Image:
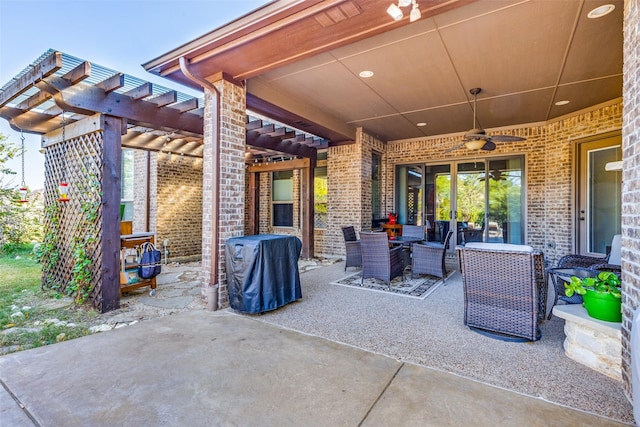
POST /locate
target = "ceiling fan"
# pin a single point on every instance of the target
(477, 138)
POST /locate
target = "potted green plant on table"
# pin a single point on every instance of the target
(601, 295)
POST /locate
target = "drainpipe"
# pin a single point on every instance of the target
(212, 289)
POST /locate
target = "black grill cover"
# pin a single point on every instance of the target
(262, 272)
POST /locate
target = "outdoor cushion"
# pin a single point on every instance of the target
(500, 246)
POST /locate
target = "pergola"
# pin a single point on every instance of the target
(86, 114)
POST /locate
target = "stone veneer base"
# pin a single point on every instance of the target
(592, 342)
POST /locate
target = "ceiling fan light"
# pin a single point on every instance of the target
(404, 3)
(395, 12)
(475, 144)
(415, 13)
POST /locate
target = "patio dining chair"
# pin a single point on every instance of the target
(413, 231)
(352, 246)
(378, 260)
(429, 258)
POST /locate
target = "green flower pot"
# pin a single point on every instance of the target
(603, 306)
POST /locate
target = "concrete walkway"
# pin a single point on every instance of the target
(199, 368)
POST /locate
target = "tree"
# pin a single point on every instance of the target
(19, 222)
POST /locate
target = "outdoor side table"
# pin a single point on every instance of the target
(559, 276)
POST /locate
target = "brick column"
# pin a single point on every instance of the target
(231, 177)
(630, 178)
(349, 180)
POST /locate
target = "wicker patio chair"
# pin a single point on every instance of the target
(413, 231)
(585, 261)
(378, 261)
(352, 245)
(428, 258)
(611, 262)
(504, 290)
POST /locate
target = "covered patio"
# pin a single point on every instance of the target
(403, 93)
(369, 135)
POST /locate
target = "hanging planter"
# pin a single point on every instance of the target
(63, 192)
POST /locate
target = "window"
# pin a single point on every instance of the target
(320, 197)
(282, 199)
(126, 186)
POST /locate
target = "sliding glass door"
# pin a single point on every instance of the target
(482, 201)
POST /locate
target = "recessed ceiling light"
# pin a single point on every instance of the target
(600, 11)
(366, 74)
(565, 102)
(421, 124)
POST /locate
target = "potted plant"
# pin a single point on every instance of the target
(601, 295)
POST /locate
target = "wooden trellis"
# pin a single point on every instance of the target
(78, 162)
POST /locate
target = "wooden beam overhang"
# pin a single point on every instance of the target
(276, 144)
(85, 99)
(42, 98)
(248, 49)
(285, 165)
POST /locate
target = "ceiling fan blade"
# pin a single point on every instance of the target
(455, 147)
(506, 138)
(489, 145)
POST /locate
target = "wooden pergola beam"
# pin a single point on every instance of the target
(285, 165)
(142, 91)
(165, 99)
(79, 73)
(86, 99)
(44, 68)
(276, 144)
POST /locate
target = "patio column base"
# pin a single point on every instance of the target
(591, 342)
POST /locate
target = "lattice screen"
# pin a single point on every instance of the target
(411, 206)
(77, 161)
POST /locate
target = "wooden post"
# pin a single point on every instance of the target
(308, 175)
(254, 203)
(111, 164)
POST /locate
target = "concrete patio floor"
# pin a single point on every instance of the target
(204, 368)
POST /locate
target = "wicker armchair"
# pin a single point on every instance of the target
(428, 258)
(413, 231)
(584, 261)
(611, 262)
(504, 290)
(352, 245)
(378, 261)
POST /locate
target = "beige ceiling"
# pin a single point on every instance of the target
(525, 55)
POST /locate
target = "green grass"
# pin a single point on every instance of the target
(20, 291)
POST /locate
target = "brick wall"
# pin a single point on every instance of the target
(631, 179)
(349, 183)
(549, 169)
(145, 191)
(179, 206)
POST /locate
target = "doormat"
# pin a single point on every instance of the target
(419, 287)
